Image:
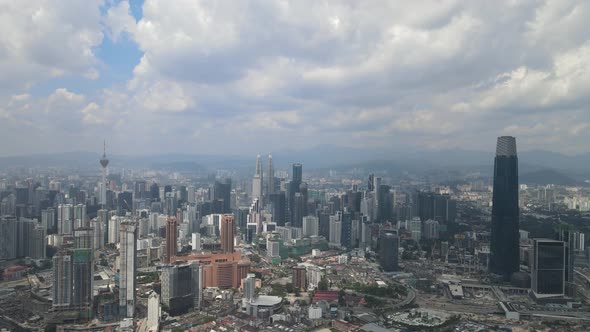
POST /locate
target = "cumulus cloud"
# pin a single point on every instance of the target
(301, 73)
(44, 39)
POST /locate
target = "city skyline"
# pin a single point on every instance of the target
(272, 77)
(294, 165)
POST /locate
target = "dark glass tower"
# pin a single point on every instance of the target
(504, 258)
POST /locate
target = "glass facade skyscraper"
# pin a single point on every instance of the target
(504, 259)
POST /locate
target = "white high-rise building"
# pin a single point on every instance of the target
(197, 275)
(196, 241)
(335, 231)
(272, 247)
(311, 226)
(114, 229)
(314, 312)
(314, 275)
(65, 219)
(154, 312)
(128, 257)
(249, 287)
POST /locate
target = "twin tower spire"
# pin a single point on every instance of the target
(263, 185)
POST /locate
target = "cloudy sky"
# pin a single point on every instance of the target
(251, 76)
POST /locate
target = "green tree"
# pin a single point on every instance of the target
(323, 284)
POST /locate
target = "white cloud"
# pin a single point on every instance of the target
(43, 39)
(299, 73)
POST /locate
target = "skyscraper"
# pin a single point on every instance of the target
(311, 226)
(504, 255)
(249, 284)
(83, 271)
(270, 177)
(171, 239)
(62, 279)
(178, 288)
(388, 251)
(65, 219)
(128, 257)
(257, 180)
(227, 234)
(548, 272)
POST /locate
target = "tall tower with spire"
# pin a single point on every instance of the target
(504, 252)
(270, 177)
(104, 162)
(257, 180)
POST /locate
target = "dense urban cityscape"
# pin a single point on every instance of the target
(285, 249)
(294, 165)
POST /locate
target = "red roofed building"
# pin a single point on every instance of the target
(328, 296)
(14, 272)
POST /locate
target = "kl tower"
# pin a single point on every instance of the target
(104, 162)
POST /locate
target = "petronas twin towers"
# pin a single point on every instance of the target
(263, 186)
(504, 259)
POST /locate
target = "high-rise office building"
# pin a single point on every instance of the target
(8, 238)
(548, 268)
(127, 270)
(346, 230)
(270, 177)
(38, 245)
(566, 234)
(335, 231)
(311, 226)
(62, 279)
(124, 203)
(278, 207)
(83, 272)
(257, 185)
(197, 284)
(298, 211)
(227, 233)
(297, 173)
(102, 217)
(504, 250)
(293, 187)
(221, 199)
(180, 285)
(249, 284)
(388, 251)
(171, 240)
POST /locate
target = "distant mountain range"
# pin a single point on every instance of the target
(548, 176)
(534, 166)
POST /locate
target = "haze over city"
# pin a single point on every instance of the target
(295, 166)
